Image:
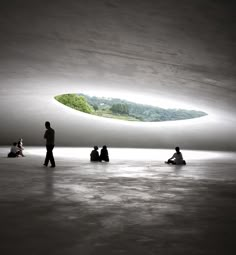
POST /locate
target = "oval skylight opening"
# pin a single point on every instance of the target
(116, 108)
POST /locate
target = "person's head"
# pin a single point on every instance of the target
(47, 124)
(104, 147)
(177, 149)
(95, 148)
(21, 140)
(14, 144)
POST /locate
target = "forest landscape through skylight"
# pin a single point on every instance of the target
(125, 110)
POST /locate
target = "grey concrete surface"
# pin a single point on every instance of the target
(130, 206)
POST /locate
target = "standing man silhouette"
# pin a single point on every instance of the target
(50, 137)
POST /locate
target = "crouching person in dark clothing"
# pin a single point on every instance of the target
(94, 155)
(104, 154)
(14, 152)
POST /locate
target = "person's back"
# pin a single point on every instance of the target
(104, 154)
(94, 155)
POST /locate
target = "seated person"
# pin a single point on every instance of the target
(177, 158)
(104, 154)
(14, 152)
(20, 147)
(94, 155)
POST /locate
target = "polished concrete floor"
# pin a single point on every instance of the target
(135, 204)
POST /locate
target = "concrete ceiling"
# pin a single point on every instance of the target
(181, 52)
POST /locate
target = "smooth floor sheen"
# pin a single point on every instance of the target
(135, 204)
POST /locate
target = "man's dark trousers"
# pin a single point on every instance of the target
(49, 155)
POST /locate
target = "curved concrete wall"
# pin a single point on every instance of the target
(163, 51)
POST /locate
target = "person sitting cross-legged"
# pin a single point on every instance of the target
(177, 158)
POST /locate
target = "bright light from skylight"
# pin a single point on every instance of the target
(167, 103)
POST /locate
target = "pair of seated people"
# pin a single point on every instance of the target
(94, 155)
(16, 149)
(177, 158)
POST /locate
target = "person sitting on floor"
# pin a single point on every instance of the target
(20, 147)
(104, 154)
(177, 158)
(14, 152)
(94, 155)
